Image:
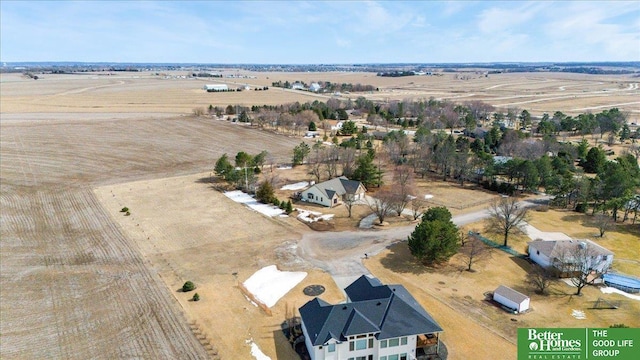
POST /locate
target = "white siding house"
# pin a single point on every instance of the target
(333, 192)
(382, 322)
(558, 253)
(511, 299)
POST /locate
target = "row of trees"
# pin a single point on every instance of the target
(243, 173)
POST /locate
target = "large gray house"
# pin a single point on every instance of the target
(333, 192)
(381, 322)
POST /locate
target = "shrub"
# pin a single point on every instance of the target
(196, 297)
(124, 209)
(188, 286)
(581, 207)
(127, 213)
(619, 326)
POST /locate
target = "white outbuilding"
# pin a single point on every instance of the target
(215, 87)
(511, 299)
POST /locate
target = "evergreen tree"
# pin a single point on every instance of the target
(595, 160)
(435, 239)
(367, 172)
(223, 167)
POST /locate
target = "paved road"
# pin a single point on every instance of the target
(341, 253)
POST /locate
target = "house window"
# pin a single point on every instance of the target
(403, 340)
(403, 356)
(370, 343)
(361, 344)
(331, 347)
(392, 357)
(335, 201)
(394, 342)
(310, 196)
(321, 199)
(383, 344)
(538, 252)
(383, 358)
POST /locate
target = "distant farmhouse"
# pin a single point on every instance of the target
(216, 87)
(334, 192)
(561, 255)
(315, 87)
(382, 322)
(297, 86)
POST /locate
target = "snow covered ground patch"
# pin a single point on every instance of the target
(313, 216)
(296, 186)
(609, 290)
(270, 284)
(256, 352)
(243, 198)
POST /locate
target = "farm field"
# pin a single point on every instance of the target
(146, 92)
(71, 279)
(83, 281)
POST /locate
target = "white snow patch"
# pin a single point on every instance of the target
(609, 290)
(284, 167)
(256, 352)
(243, 198)
(296, 186)
(270, 284)
(313, 216)
(578, 314)
(428, 196)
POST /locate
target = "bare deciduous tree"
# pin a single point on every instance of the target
(347, 161)
(349, 201)
(382, 204)
(603, 222)
(315, 161)
(404, 186)
(417, 205)
(582, 262)
(473, 250)
(505, 216)
(540, 279)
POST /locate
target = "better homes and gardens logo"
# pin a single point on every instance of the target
(572, 343)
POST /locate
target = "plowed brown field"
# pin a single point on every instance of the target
(72, 284)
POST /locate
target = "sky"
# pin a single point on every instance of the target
(315, 32)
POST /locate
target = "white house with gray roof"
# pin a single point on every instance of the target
(333, 192)
(559, 253)
(381, 322)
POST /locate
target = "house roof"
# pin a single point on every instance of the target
(340, 185)
(510, 294)
(556, 248)
(388, 311)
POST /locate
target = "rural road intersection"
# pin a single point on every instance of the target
(341, 253)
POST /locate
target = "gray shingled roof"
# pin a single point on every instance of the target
(340, 185)
(510, 294)
(556, 248)
(389, 311)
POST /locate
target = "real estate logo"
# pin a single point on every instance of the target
(553, 342)
(571, 343)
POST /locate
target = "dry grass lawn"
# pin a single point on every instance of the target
(189, 231)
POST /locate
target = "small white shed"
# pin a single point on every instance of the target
(511, 299)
